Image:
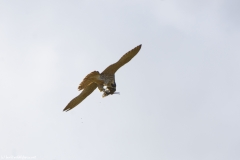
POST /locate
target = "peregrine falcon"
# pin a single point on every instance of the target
(104, 81)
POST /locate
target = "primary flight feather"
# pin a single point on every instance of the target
(96, 80)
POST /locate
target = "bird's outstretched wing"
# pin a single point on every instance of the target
(75, 101)
(110, 70)
(122, 61)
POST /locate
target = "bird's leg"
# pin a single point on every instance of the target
(109, 90)
(104, 89)
(105, 93)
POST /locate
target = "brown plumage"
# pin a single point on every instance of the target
(90, 78)
(106, 78)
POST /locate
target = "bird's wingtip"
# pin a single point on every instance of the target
(66, 109)
(139, 46)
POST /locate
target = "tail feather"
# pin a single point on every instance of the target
(90, 78)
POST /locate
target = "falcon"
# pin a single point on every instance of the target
(104, 81)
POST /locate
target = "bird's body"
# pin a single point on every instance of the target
(104, 81)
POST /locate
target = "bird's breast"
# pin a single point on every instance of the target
(107, 78)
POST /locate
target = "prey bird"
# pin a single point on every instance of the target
(104, 81)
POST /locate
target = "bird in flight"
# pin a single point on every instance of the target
(104, 81)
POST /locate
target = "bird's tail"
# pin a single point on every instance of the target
(90, 78)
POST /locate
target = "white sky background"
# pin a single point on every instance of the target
(179, 96)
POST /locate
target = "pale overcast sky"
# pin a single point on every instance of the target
(179, 96)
